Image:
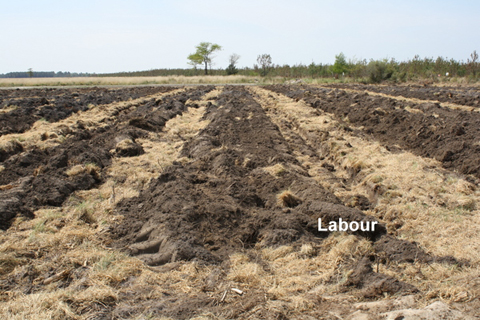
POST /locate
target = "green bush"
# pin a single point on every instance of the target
(399, 76)
(231, 69)
(378, 71)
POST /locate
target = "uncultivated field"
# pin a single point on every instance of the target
(202, 202)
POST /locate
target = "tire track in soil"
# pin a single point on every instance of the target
(449, 136)
(226, 200)
(46, 177)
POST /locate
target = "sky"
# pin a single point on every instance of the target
(104, 36)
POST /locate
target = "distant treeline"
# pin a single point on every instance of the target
(372, 71)
(44, 74)
(162, 72)
(378, 70)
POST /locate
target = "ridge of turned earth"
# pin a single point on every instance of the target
(37, 177)
(426, 129)
(224, 201)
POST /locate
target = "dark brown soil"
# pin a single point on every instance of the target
(223, 202)
(53, 105)
(373, 284)
(463, 96)
(450, 136)
(36, 177)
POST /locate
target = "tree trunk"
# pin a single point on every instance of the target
(206, 70)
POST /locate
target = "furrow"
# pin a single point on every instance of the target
(46, 177)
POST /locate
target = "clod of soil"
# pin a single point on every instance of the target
(374, 284)
(128, 148)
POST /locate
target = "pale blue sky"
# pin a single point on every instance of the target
(109, 36)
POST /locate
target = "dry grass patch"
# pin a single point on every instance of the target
(129, 175)
(160, 80)
(244, 272)
(8, 109)
(299, 277)
(14, 145)
(276, 170)
(412, 110)
(212, 95)
(287, 199)
(295, 277)
(89, 168)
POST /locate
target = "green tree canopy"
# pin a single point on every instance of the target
(340, 66)
(203, 55)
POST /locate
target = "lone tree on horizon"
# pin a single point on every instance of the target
(340, 66)
(232, 69)
(265, 62)
(203, 55)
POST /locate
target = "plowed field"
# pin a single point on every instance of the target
(213, 202)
